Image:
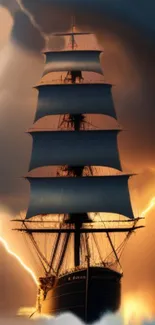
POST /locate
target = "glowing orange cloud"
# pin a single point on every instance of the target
(5, 244)
(135, 310)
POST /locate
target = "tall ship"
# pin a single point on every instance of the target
(80, 215)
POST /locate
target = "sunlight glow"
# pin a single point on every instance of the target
(135, 309)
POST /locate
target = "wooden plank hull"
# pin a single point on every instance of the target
(70, 294)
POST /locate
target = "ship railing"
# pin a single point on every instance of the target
(83, 267)
(60, 81)
(77, 268)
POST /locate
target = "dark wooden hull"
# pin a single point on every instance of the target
(70, 294)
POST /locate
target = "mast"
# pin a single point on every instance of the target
(72, 36)
(76, 121)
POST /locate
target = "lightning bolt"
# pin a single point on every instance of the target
(9, 251)
(150, 206)
(33, 21)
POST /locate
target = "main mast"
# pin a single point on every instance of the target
(75, 122)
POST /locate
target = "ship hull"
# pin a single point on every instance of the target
(87, 293)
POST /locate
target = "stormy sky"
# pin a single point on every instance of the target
(126, 31)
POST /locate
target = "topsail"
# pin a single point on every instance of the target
(73, 61)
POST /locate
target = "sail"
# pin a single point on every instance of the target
(84, 148)
(75, 99)
(79, 194)
(72, 61)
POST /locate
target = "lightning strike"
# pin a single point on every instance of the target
(6, 246)
(150, 206)
(33, 21)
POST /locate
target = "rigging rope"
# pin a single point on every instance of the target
(39, 254)
(96, 243)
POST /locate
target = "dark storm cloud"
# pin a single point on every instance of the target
(29, 35)
(19, 73)
(11, 5)
(25, 34)
(50, 18)
(130, 66)
(137, 14)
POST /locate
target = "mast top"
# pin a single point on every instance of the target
(73, 42)
(72, 34)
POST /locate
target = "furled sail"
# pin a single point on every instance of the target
(80, 194)
(72, 61)
(75, 99)
(84, 148)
